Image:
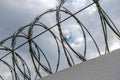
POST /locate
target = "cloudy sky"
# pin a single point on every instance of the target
(17, 13)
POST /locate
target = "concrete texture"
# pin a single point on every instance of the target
(106, 67)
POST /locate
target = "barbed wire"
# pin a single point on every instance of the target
(46, 29)
(19, 65)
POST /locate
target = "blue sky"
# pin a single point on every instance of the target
(17, 13)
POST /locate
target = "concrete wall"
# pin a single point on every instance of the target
(106, 67)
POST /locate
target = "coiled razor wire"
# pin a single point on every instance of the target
(19, 68)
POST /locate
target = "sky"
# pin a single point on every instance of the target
(17, 13)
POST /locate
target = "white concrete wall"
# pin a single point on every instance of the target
(106, 67)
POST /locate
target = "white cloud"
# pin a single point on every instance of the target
(92, 9)
(4, 71)
(78, 42)
(49, 3)
(6, 75)
(77, 4)
(115, 45)
(74, 33)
